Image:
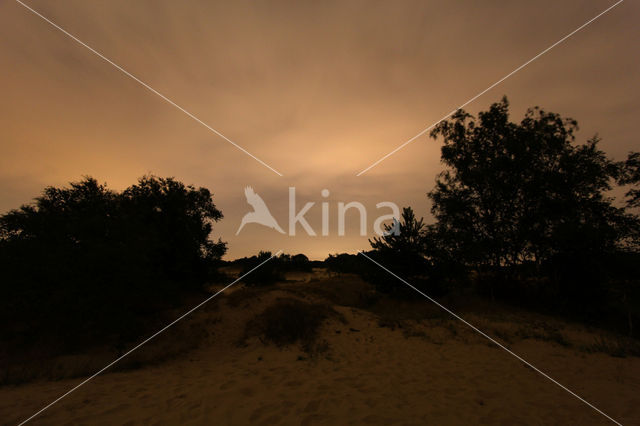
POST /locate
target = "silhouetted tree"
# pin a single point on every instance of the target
(518, 194)
(631, 176)
(269, 273)
(299, 262)
(272, 271)
(177, 220)
(523, 192)
(344, 263)
(404, 235)
(84, 263)
(402, 249)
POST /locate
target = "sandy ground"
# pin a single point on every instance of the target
(437, 372)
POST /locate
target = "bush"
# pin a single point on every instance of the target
(268, 274)
(86, 265)
(345, 263)
(272, 271)
(297, 262)
(415, 270)
(290, 321)
(403, 250)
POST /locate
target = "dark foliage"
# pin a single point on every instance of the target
(290, 321)
(631, 176)
(267, 274)
(524, 192)
(402, 250)
(526, 208)
(86, 265)
(272, 271)
(407, 250)
(522, 212)
(297, 262)
(345, 263)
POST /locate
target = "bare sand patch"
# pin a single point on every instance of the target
(415, 370)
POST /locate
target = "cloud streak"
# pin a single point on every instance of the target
(318, 90)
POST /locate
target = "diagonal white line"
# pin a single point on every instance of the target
(477, 330)
(145, 341)
(490, 87)
(127, 73)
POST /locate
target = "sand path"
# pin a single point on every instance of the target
(370, 376)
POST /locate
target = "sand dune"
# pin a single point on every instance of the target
(433, 371)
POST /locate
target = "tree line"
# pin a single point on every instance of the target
(521, 213)
(524, 213)
(87, 265)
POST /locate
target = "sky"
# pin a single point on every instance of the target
(317, 90)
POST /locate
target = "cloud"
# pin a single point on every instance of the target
(319, 90)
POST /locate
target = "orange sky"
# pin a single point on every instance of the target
(318, 90)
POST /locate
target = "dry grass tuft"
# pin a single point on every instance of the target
(289, 321)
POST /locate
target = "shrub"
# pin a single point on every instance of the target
(85, 265)
(268, 274)
(345, 263)
(290, 321)
(403, 250)
(272, 271)
(297, 262)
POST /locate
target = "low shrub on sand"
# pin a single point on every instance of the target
(290, 321)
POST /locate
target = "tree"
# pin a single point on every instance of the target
(84, 263)
(631, 176)
(402, 249)
(517, 193)
(269, 273)
(172, 223)
(403, 236)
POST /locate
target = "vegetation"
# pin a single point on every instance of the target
(272, 271)
(523, 193)
(345, 263)
(85, 265)
(522, 212)
(631, 176)
(290, 321)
